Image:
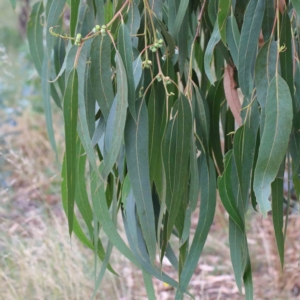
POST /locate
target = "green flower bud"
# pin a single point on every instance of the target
(103, 26)
(96, 28)
(78, 37)
(160, 41)
(158, 78)
(103, 31)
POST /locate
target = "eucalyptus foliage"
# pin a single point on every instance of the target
(164, 103)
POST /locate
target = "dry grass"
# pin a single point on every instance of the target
(38, 261)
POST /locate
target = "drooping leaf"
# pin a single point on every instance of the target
(176, 158)
(248, 43)
(14, 4)
(70, 117)
(274, 140)
(265, 69)
(223, 13)
(73, 17)
(268, 21)
(125, 50)
(101, 73)
(277, 212)
(227, 194)
(136, 150)
(116, 119)
(35, 36)
(233, 39)
(206, 216)
(214, 39)
(296, 6)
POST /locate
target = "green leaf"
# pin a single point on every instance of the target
(206, 216)
(14, 4)
(125, 50)
(70, 117)
(274, 140)
(248, 43)
(286, 56)
(53, 17)
(157, 121)
(268, 21)
(243, 151)
(35, 36)
(74, 17)
(103, 216)
(176, 157)
(101, 73)
(47, 103)
(136, 150)
(82, 199)
(116, 119)
(100, 20)
(227, 194)
(76, 227)
(265, 69)
(277, 213)
(137, 244)
(214, 98)
(233, 39)
(149, 286)
(180, 14)
(296, 6)
(202, 122)
(223, 13)
(209, 52)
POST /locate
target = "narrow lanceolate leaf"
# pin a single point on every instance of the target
(125, 50)
(101, 73)
(74, 17)
(137, 243)
(209, 52)
(223, 13)
(116, 119)
(202, 122)
(76, 226)
(70, 117)
(277, 213)
(268, 21)
(206, 216)
(248, 43)
(215, 97)
(243, 151)
(54, 15)
(265, 69)
(176, 157)
(233, 39)
(179, 17)
(296, 6)
(227, 193)
(274, 140)
(14, 3)
(35, 36)
(231, 94)
(287, 56)
(136, 150)
(103, 216)
(157, 120)
(47, 103)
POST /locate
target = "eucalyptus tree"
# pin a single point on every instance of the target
(165, 103)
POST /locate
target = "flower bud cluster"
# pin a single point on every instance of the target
(157, 45)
